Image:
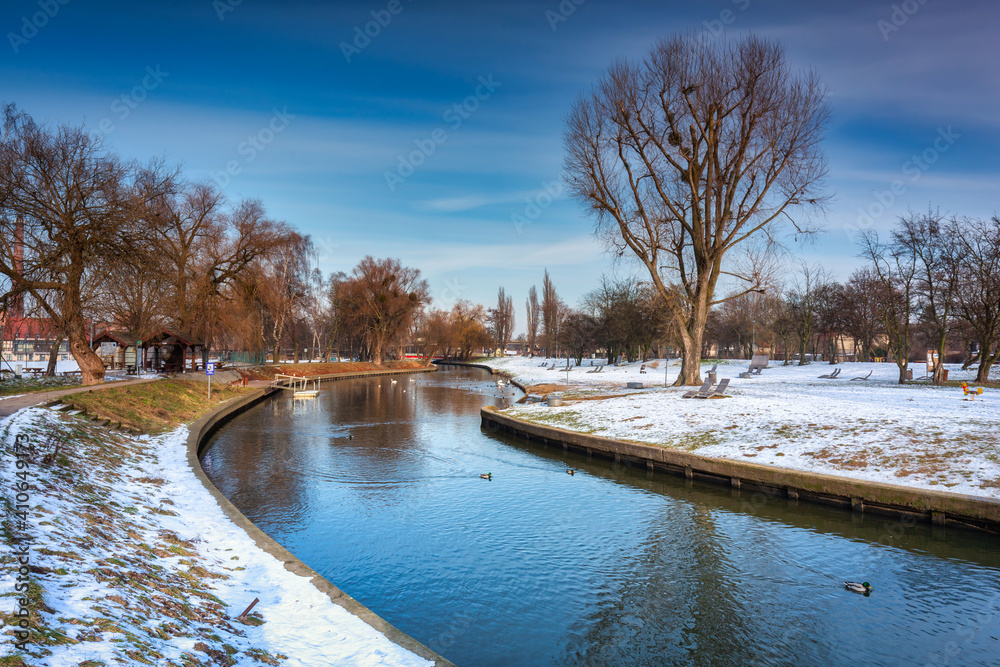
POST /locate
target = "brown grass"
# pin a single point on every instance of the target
(309, 370)
(153, 407)
(544, 388)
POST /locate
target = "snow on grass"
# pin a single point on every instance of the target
(917, 434)
(133, 562)
(23, 385)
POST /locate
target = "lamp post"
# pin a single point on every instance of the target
(753, 326)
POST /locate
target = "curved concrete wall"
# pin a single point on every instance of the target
(199, 433)
(861, 496)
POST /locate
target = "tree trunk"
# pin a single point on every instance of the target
(50, 371)
(91, 366)
(986, 362)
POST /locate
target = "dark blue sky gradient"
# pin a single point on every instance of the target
(891, 94)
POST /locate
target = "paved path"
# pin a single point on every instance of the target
(9, 406)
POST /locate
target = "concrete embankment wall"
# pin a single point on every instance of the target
(939, 507)
(199, 435)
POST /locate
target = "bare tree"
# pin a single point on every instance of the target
(379, 300)
(283, 283)
(203, 248)
(924, 238)
(896, 274)
(978, 291)
(468, 329)
(533, 309)
(803, 306)
(501, 320)
(80, 206)
(578, 334)
(863, 318)
(692, 152)
(550, 315)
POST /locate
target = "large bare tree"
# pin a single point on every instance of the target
(380, 299)
(81, 208)
(978, 291)
(696, 150)
(203, 246)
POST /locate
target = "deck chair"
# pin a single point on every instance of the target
(831, 376)
(552, 367)
(600, 369)
(717, 392)
(705, 388)
(713, 368)
(862, 378)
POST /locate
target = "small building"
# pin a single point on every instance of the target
(165, 351)
(29, 339)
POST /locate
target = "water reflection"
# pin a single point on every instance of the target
(376, 485)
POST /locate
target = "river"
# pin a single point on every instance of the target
(375, 484)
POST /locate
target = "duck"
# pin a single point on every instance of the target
(864, 587)
(570, 472)
(486, 475)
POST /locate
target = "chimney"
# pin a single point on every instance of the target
(17, 303)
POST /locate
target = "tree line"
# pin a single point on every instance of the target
(87, 237)
(932, 284)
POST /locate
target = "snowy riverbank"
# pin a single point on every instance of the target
(132, 561)
(918, 434)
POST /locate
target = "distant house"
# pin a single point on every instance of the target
(29, 339)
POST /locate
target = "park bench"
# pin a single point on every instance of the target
(758, 363)
(717, 392)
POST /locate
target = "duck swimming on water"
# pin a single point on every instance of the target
(570, 472)
(864, 587)
(486, 475)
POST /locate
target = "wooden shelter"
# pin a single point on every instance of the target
(165, 351)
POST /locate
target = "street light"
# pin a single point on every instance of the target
(753, 326)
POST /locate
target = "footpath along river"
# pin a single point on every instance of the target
(375, 484)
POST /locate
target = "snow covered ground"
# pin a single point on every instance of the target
(918, 435)
(134, 562)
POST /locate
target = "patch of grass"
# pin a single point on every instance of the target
(310, 369)
(153, 407)
(566, 419)
(15, 387)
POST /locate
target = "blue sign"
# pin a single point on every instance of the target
(210, 368)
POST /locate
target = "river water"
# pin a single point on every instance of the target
(375, 484)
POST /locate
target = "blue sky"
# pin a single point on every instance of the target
(264, 98)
